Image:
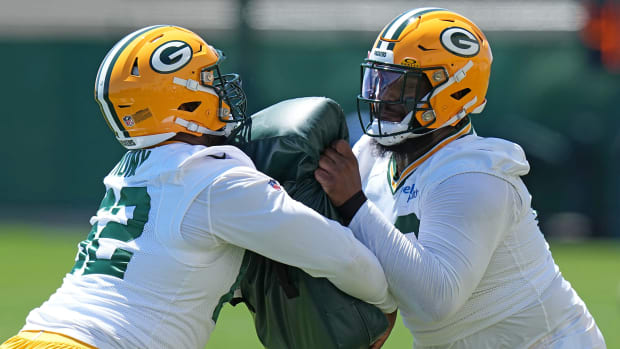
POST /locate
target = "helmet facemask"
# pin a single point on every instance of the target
(393, 104)
(228, 88)
(232, 102)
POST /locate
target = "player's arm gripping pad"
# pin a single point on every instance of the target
(291, 308)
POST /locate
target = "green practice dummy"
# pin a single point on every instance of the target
(292, 309)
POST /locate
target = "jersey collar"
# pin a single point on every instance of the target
(396, 181)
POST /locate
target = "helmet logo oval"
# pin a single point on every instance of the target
(460, 42)
(171, 56)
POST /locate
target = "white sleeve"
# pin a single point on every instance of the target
(362, 149)
(462, 222)
(243, 209)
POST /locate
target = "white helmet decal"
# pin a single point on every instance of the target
(171, 56)
(383, 56)
(459, 41)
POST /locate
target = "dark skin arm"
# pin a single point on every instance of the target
(391, 321)
(338, 173)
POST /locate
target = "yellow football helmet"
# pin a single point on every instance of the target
(161, 80)
(429, 68)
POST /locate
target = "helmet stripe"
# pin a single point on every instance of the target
(102, 83)
(393, 30)
(403, 16)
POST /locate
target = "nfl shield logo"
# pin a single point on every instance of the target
(128, 120)
(274, 184)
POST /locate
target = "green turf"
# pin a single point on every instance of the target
(33, 260)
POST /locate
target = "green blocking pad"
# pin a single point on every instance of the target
(291, 308)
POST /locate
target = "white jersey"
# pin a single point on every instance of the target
(167, 244)
(479, 274)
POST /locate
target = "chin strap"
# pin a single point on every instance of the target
(456, 78)
(479, 108)
(194, 85)
(194, 127)
(463, 113)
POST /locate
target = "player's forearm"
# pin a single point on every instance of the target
(323, 248)
(421, 283)
(271, 223)
(298, 236)
(464, 218)
(363, 278)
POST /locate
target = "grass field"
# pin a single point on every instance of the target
(33, 260)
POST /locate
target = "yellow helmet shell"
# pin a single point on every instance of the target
(451, 51)
(145, 79)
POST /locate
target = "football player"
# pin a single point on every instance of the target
(179, 210)
(472, 269)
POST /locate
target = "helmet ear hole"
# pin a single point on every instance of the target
(157, 38)
(458, 95)
(189, 106)
(134, 69)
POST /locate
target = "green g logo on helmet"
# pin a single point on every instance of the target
(171, 56)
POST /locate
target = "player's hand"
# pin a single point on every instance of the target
(391, 321)
(338, 172)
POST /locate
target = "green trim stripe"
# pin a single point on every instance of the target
(227, 297)
(103, 79)
(391, 174)
(396, 180)
(408, 224)
(396, 27)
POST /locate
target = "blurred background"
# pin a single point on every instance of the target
(554, 89)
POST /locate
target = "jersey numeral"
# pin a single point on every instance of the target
(120, 219)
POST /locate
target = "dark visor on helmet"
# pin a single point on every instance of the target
(389, 85)
(390, 92)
